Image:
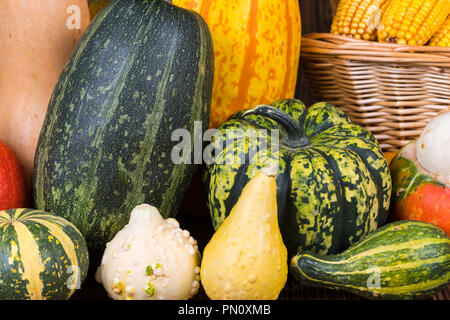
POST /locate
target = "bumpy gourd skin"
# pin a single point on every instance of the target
(150, 259)
(246, 258)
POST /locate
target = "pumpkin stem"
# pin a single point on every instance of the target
(295, 138)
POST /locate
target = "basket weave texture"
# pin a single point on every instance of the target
(392, 90)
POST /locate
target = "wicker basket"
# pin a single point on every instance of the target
(390, 89)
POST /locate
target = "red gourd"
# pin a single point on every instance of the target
(12, 180)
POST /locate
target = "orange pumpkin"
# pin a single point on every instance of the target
(257, 51)
(36, 40)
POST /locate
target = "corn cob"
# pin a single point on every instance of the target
(442, 37)
(358, 19)
(412, 22)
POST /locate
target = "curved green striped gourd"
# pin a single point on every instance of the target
(42, 256)
(402, 260)
(334, 184)
(143, 69)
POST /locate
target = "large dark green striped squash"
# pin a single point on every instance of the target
(42, 256)
(402, 260)
(143, 69)
(334, 184)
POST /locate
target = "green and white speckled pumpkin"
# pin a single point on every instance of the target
(334, 184)
(42, 256)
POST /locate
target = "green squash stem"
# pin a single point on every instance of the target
(295, 137)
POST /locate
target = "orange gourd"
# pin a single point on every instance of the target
(257, 51)
(36, 40)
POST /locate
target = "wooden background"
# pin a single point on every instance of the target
(194, 216)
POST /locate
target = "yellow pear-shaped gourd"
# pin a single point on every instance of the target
(246, 258)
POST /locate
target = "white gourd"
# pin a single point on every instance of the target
(433, 146)
(150, 259)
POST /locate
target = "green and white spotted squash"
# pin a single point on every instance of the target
(142, 70)
(333, 184)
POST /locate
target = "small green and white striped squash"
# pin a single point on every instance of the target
(402, 260)
(333, 185)
(42, 256)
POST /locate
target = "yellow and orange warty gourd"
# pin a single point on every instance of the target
(36, 40)
(257, 51)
